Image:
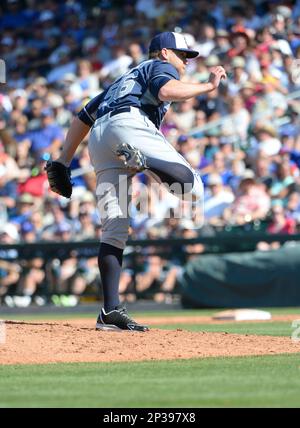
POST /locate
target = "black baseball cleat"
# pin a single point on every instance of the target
(118, 320)
(133, 158)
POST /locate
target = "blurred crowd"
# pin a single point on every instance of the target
(243, 138)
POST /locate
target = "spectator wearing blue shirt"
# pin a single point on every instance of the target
(47, 138)
(20, 127)
(24, 209)
(218, 166)
(14, 17)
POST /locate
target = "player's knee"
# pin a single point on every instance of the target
(193, 186)
(198, 188)
(193, 191)
(119, 241)
(115, 232)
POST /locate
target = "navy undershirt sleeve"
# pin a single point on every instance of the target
(161, 73)
(88, 114)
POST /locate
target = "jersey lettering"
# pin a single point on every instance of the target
(138, 88)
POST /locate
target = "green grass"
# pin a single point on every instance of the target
(264, 329)
(268, 381)
(150, 314)
(275, 328)
(171, 313)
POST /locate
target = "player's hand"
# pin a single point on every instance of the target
(216, 74)
(59, 177)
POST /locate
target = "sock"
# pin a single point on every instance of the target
(110, 265)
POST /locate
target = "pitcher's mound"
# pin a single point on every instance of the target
(57, 342)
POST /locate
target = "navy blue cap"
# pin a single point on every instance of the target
(171, 40)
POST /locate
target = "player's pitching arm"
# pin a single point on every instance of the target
(76, 133)
(58, 171)
(78, 130)
(175, 90)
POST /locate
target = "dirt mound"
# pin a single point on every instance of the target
(53, 342)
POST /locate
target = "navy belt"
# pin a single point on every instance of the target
(120, 110)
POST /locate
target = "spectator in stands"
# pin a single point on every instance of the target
(186, 144)
(280, 223)
(23, 142)
(222, 44)
(271, 102)
(169, 127)
(284, 183)
(240, 42)
(293, 206)
(249, 94)
(86, 226)
(36, 184)
(158, 279)
(136, 53)
(65, 65)
(88, 80)
(184, 117)
(119, 64)
(200, 120)
(65, 266)
(54, 216)
(238, 122)
(48, 137)
(239, 76)
(191, 251)
(263, 170)
(37, 220)
(33, 272)
(9, 267)
(252, 203)
(34, 113)
(217, 199)
(265, 141)
(218, 166)
(38, 89)
(19, 99)
(25, 206)
(205, 39)
(8, 185)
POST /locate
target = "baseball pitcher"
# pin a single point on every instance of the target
(124, 139)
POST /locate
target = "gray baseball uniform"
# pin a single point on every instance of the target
(130, 112)
(124, 139)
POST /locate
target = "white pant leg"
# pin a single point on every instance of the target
(137, 130)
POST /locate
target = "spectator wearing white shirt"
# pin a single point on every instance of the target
(206, 40)
(117, 66)
(64, 66)
(265, 142)
(216, 199)
(239, 76)
(238, 122)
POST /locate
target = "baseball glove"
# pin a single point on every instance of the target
(59, 177)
